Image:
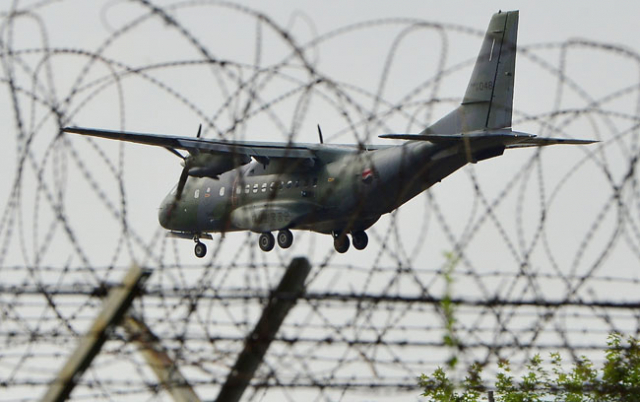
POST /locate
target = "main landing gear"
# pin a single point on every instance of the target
(360, 240)
(266, 241)
(341, 241)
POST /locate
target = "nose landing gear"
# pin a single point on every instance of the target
(200, 249)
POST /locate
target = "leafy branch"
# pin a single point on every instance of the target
(618, 379)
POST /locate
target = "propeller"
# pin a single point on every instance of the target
(320, 134)
(184, 175)
(183, 180)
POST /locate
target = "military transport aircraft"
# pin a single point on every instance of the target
(270, 187)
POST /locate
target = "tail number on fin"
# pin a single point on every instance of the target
(481, 86)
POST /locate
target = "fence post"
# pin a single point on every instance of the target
(114, 308)
(256, 344)
(158, 360)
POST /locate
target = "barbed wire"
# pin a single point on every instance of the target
(546, 243)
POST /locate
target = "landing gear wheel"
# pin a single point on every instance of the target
(266, 241)
(200, 250)
(285, 238)
(341, 243)
(360, 240)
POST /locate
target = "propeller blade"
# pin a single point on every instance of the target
(199, 131)
(183, 180)
(320, 134)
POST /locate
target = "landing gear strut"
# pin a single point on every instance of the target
(266, 241)
(200, 249)
(340, 242)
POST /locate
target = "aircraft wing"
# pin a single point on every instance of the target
(195, 145)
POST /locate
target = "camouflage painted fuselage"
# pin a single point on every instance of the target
(344, 189)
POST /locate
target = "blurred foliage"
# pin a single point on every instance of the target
(450, 339)
(617, 380)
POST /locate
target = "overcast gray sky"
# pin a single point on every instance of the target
(355, 58)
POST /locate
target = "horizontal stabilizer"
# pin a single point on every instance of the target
(544, 141)
(511, 139)
(435, 138)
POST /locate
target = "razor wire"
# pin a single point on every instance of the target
(538, 251)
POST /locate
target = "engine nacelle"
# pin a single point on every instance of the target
(214, 164)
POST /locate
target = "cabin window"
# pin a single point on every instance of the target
(297, 183)
(238, 190)
(255, 188)
(272, 187)
(281, 185)
(246, 189)
(221, 191)
(289, 183)
(196, 194)
(264, 187)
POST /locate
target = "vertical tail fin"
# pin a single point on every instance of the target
(488, 101)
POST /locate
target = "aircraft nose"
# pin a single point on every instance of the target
(163, 215)
(164, 212)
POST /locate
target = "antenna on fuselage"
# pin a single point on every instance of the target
(320, 134)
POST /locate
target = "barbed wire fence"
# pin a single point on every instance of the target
(542, 247)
